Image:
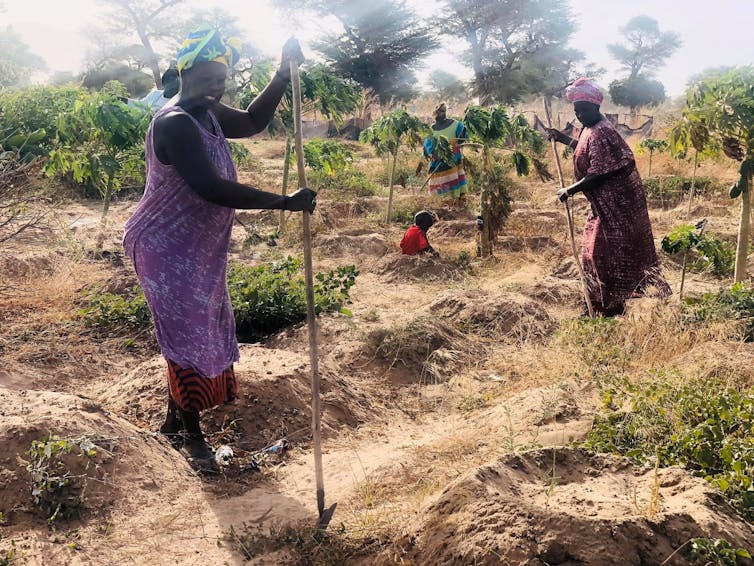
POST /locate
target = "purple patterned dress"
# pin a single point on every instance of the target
(178, 243)
(618, 254)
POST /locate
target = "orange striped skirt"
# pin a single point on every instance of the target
(192, 392)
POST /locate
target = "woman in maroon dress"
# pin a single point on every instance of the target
(618, 254)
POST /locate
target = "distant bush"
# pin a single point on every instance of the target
(265, 299)
(343, 185)
(700, 424)
(674, 189)
(327, 156)
(734, 303)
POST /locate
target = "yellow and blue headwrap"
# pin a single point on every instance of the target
(206, 44)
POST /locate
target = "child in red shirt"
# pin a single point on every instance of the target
(415, 239)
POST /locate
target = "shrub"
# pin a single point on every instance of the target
(344, 184)
(110, 312)
(673, 189)
(327, 156)
(734, 303)
(701, 424)
(265, 299)
(241, 155)
(707, 252)
(36, 109)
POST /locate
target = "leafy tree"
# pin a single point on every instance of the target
(100, 143)
(327, 156)
(17, 62)
(151, 22)
(646, 49)
(321, 91)
(722, 109)
(446, 86)
(136, 82)
(382, 43)
(636, 93)
(515, 48)
(652, 146)
(684, 135)
(387, 135)
(508, 143)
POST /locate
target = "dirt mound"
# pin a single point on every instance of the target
(29, 265)
(398, 267)
(359, 245)
(525, 243)
(564, 506)
(274, 398)
(121, 461)
(451, 229)
(426, 350)
(497, 315)
(556, 291)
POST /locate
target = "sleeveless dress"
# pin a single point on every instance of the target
(618, 253)
(448, 179)
(178, 243)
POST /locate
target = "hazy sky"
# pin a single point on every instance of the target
(714, 33)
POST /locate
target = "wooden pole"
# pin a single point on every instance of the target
(584, 288)
(310, 313)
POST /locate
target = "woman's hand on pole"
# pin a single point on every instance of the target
(291, 52)
(302, 199)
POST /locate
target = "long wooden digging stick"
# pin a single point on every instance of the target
(584, 288)
(310, 314)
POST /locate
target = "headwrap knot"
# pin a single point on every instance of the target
(206, 44)
(584, 90)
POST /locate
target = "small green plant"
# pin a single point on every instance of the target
(344, 184)
(595, 340)
(715, 552)
(733, 303)
(56, 488)
(707, 252)
(700, 424)
(652, 146)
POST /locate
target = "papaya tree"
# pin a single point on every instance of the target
(684, 136)
(100, 143)
(321, 91)
(723, 107)
(387, 135)
(652, 146)
(508, 144)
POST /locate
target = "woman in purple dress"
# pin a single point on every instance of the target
(179, 235)
(618, 254)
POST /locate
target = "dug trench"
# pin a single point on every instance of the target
(451, 395)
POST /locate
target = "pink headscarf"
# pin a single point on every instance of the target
(584, 90)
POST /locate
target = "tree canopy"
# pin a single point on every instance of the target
(515, 48)
(380, 46)
(17, 62)
(647, 47)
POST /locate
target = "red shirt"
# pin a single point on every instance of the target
(414, 241)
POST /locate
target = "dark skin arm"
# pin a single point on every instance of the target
(590, 182)
(178, 143)
(558, 136)
(243, 124)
